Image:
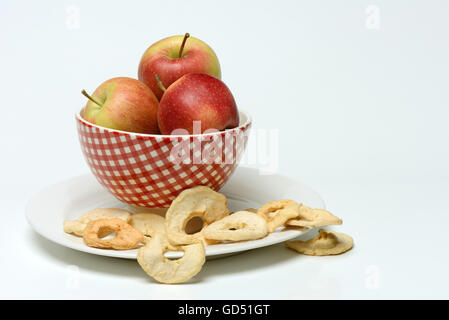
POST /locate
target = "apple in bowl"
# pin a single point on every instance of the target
(200, 98)
(124, 104)
(173, 57)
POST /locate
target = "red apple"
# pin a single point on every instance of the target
(175, 56)
(197, 97)
(124, 104)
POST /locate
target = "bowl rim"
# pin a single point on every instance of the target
(151, 135)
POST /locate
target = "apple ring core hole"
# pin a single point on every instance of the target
(194, 225)
(106, 232)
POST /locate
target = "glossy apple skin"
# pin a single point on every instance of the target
(127, 105)
(197, 97)
(162, 58)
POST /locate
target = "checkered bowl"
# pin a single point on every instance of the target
(151, 170)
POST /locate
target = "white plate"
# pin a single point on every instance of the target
(71, 198)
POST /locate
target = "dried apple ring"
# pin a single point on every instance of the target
(195, 202)
(152, 260)
(202, 238)
(327, 243)
(77, 226)
(126, 237)
(150, 224)
(278, 212)
(309, 217)
(239, 226)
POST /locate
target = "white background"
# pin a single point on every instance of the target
(362, 113)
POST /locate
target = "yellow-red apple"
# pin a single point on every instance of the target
(175, 56)
(123, 104)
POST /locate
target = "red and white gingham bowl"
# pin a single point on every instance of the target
(138, 168)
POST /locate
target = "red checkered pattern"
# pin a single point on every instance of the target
(137, 168)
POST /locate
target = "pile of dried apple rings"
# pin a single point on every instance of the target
(154, 235)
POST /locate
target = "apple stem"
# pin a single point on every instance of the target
(159, 83)
(183, 43)
(90, 98)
